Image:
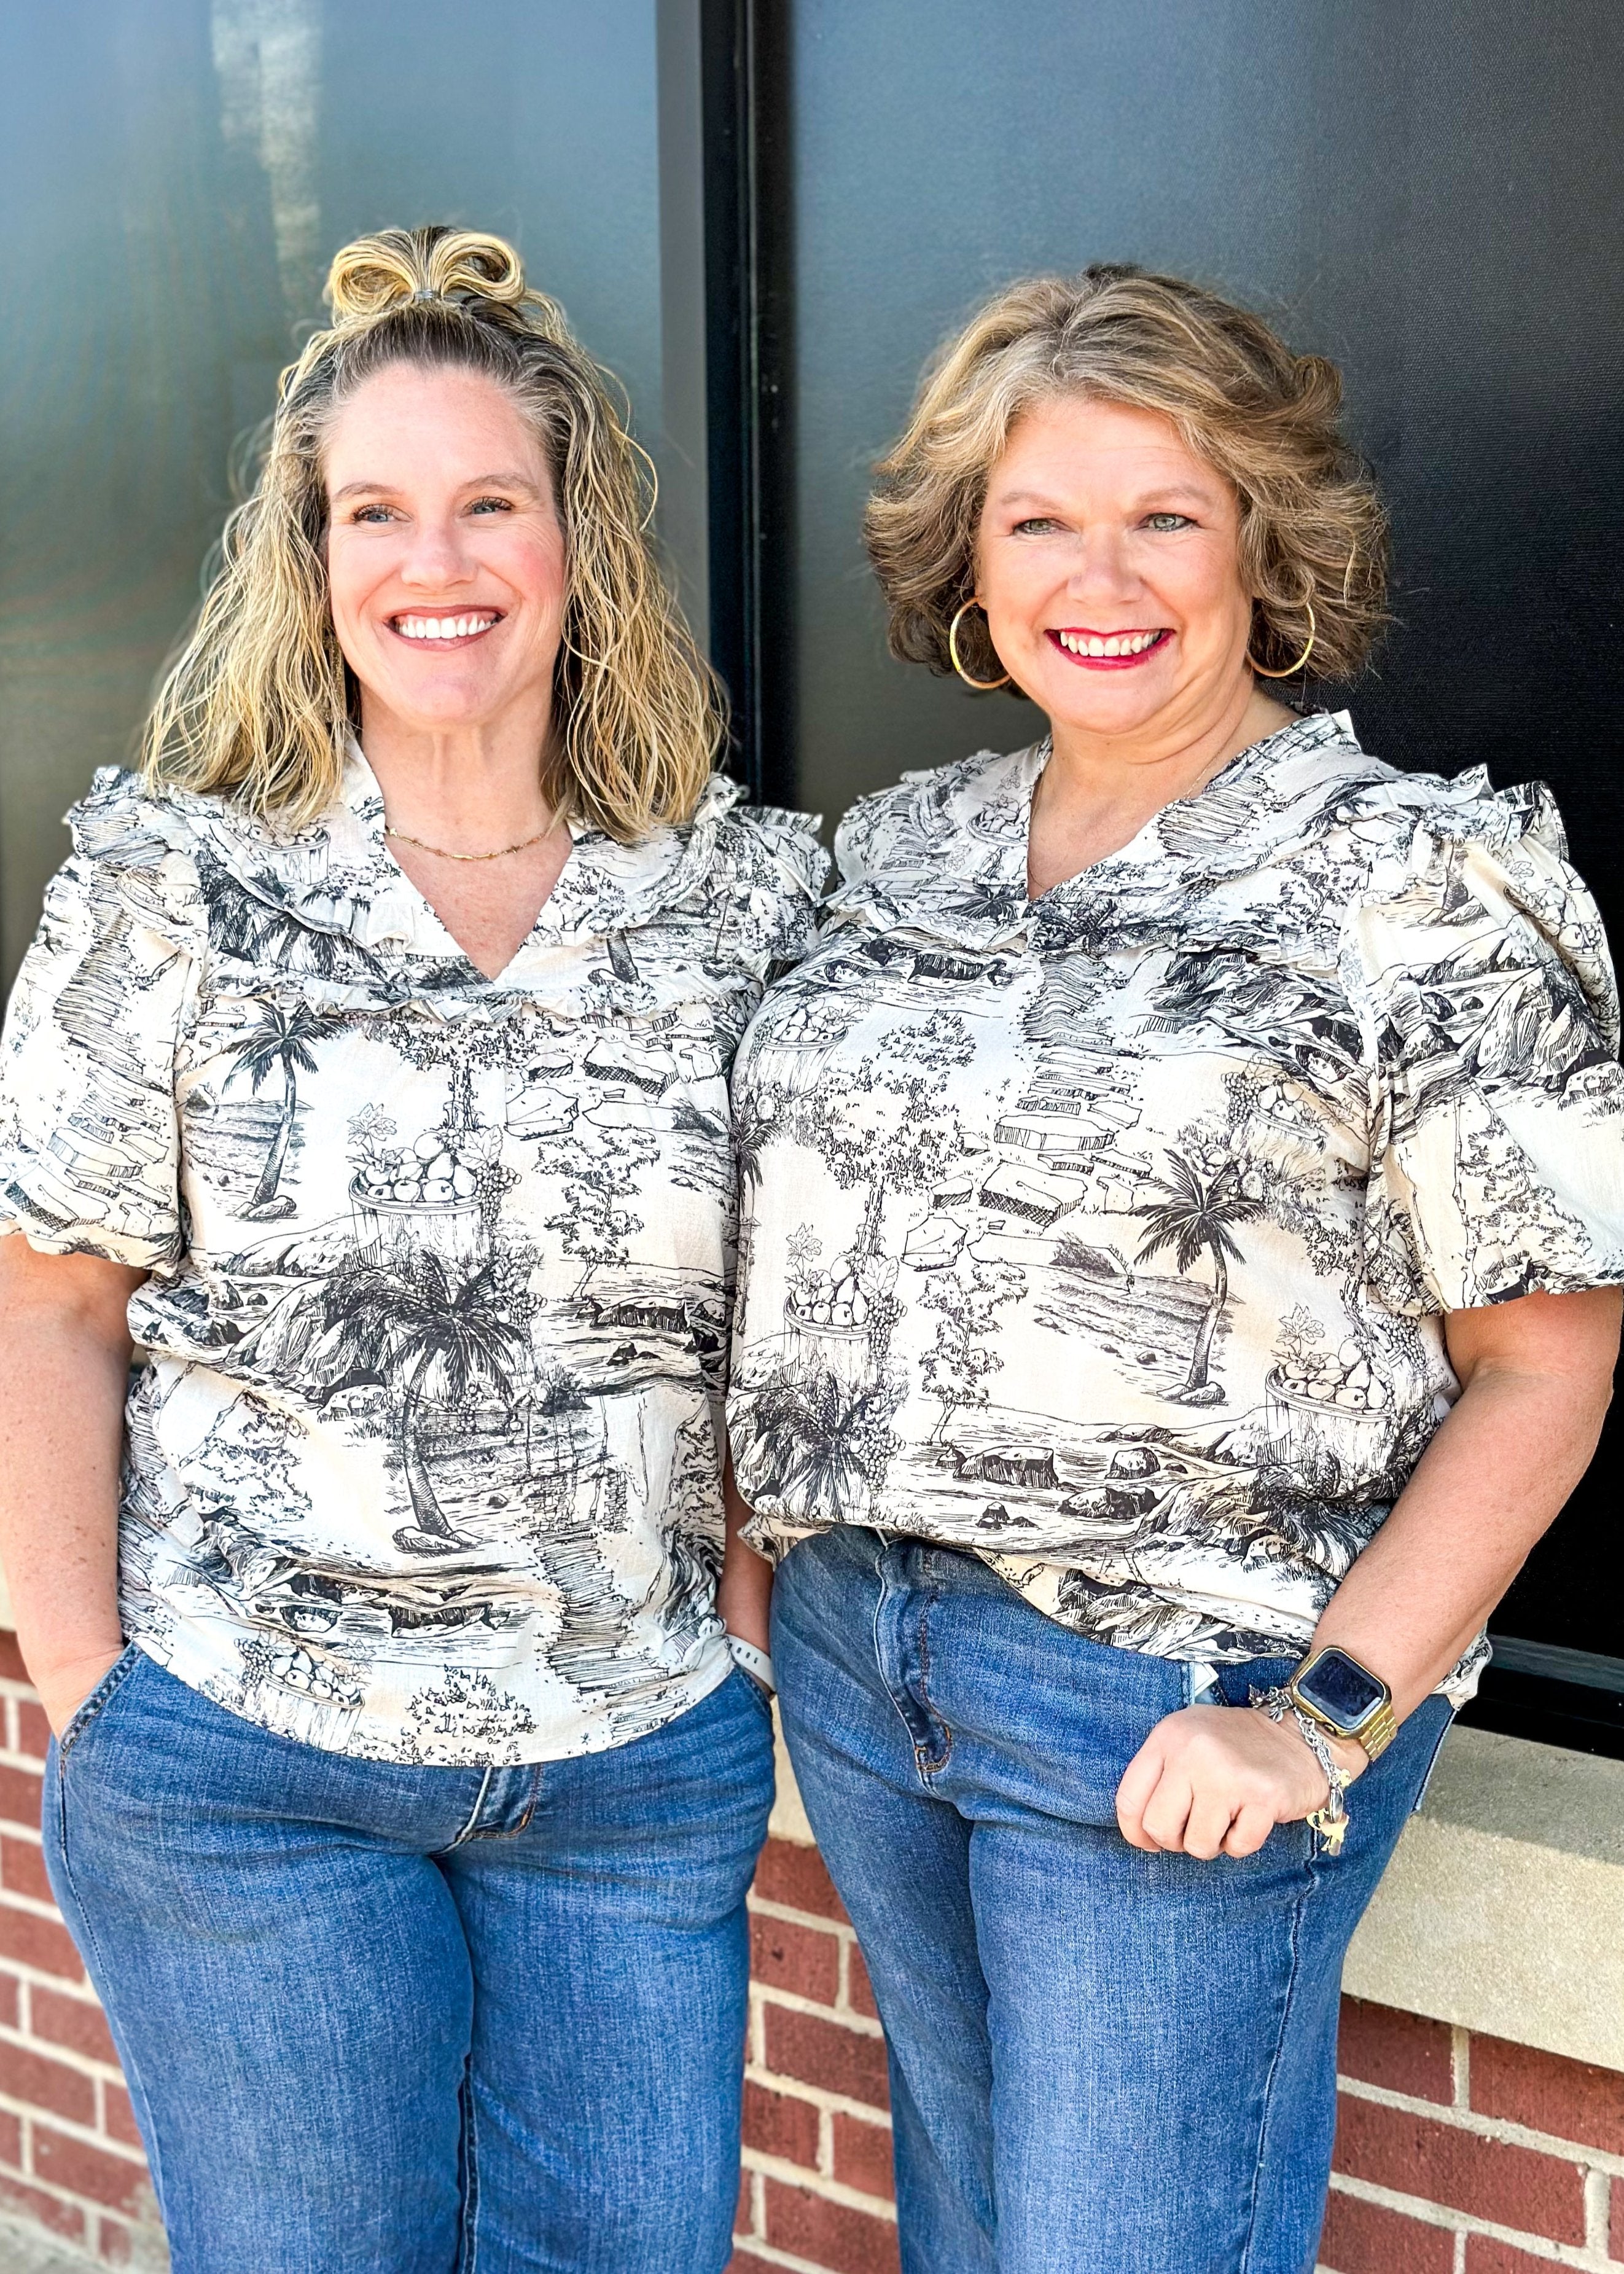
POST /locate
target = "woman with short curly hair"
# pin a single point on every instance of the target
(368, 1080)
(1183, 1234)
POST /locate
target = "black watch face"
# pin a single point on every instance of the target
(1340, 1689)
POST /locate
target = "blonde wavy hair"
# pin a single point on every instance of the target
(1312, 531)
(258, 704)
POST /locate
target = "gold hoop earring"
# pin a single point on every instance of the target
(981, 686)
(1291, 669)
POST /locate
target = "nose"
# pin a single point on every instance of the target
(1101, 568)
(436, 560)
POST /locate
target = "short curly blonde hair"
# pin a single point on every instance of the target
(260, 704)
(1312, 531)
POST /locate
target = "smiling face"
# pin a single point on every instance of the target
(1107, 559)
(445, 557)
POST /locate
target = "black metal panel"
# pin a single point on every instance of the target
(1430, 192)
(748, 123)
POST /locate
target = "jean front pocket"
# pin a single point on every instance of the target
(758, 1690)
(91, 1708)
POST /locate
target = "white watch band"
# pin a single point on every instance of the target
(753, 1662)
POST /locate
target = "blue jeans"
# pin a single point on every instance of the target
(1100, 2060)
(407, 2020)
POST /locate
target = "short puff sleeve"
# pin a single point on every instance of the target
(89, 1132)
(1481, 973)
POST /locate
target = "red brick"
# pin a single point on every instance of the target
(1569, 2098)
(1484, 2255)
(41, 1942)
(826, 2054)
(120, 2120)
(11, 2140)
(862, 2156)
(62, 2218)
(1417, 2155)
(745, 2262)
(72, 2021)
(22, 1868)
(1380, 2046)
(19, 1797)
(45, 2083)
(830, 2234)
(34, 1731)
(82, 2169)
(11, 2002)
(11, 1667)
(1361, 2238)
(795, 1876)
(780, 2124)
(1615, 2249)
(861, 1990)
(804, 1959)
(113, 2243)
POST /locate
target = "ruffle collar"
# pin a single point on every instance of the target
(329, 907)
(944, 853)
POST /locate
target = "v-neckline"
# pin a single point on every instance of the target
(427, 908)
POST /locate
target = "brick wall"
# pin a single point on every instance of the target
(70, 2158)
(1456, 2154)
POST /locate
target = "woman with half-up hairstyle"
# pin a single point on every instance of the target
(366, 1087)
(1213, 1143)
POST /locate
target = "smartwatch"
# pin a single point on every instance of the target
(1345, 1698)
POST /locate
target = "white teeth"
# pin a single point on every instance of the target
(442, 628)
(1118, 643)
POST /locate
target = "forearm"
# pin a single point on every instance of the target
(62, 1372)
(1493, 1478)
(744, 1597)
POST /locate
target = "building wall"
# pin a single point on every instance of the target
(1457, 2153)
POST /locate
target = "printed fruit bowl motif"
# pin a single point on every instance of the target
(1344, 1379)
(1325, 1408)
(428, 1197)
(829, 1315)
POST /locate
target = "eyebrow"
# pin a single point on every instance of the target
(499, 481)
(1186, 490)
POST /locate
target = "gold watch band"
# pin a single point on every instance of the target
(1376, 1735)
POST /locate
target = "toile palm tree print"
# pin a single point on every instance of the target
(421, 1460)
(1194, 1217)
(1108, 1236)
(412, 1322)
(283, 1038)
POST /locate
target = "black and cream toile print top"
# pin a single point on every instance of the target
(422, 1441)
(1109, 1235)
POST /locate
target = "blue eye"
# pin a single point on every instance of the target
(1163, 523)
(1039, 522)
(371, 513)
(492, 505)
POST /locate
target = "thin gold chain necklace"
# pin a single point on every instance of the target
(500, 854)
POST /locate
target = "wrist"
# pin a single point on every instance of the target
(52, 1666)
(64, 1686)
(744, 1596)
(1350, 1705)
(1349, 1755)
(754, 1662)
